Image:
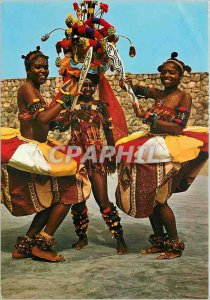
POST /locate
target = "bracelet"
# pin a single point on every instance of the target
(67, 99)
(151, 119)
(37, 104)
(62, 103)
(38, 111)
(155, 121)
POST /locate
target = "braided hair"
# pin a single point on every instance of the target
(31, 56)
(181, 67)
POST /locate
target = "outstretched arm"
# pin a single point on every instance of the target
(140, 91)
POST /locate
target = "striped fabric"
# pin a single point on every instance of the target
(50, 158)
(166, 148)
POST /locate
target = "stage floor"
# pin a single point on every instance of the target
(97, 272)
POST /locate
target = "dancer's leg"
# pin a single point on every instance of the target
(44, 240)
(80, 219)
(24, 244)
(109, 212)
(158, 238)
(173, 246)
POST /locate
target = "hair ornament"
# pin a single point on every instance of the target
(176, 61)
(174, 54)
(31, 55)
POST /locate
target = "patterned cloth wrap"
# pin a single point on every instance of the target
(151, 178)
(31, 181)
(87, 134)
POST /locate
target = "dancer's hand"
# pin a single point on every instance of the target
(138, 109)
(128, 80)
(82, 114)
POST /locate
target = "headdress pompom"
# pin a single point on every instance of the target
(174, 54)
(23, 56)
(38, 48)
(132, 51)
(159, 68)
(187, 68)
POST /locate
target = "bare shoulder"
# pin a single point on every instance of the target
(185, 100)
(26, 93)
(23, 89)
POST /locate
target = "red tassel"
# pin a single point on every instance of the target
(104, 7)
(76, 6)
(81, 29)
(85, 210)
(65, 43)
(107, 210)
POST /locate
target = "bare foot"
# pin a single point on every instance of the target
(121, 246)
(168, 255)
(151, 250)
(48, 255)
(81, 243)
(18, 255)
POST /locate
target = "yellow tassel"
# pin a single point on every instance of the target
(87, 43)
(60, 101)
(69, 18)
(69, 30)
(46, 235)
(75, 58)
(41, 109)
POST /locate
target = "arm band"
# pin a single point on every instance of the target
(182, 116)
(62, 103)
(36, 107)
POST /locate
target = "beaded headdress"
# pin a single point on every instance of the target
(88, 28)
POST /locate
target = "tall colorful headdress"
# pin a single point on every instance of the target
(88, 30)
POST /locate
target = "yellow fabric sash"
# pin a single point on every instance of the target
(63, 165)
(181, 148)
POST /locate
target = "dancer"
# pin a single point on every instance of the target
(85, 121)
(26, 190)
(167, 119)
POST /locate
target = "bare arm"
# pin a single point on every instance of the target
(34, 100)
(139, 90)
(139, 110)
